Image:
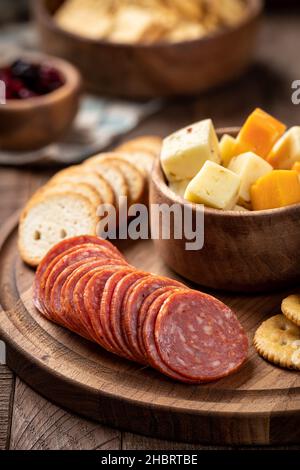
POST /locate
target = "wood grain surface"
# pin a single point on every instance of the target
(267, 84)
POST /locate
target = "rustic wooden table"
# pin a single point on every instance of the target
(28, 421)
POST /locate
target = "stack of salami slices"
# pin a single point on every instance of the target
(86, 285)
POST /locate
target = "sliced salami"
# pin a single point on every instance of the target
(78, 293)
(56, 306)
(105, 308)
(132, 304)
(153, 356)
(40, 284)
(68, 259)
(69, 285)
(85, 285)
(68, 243)
(143, 312)
(117, 309)
(92, 301)
(63, 247)
(199, 337)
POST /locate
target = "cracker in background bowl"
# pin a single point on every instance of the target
(89, 18)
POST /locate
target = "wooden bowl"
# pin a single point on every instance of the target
(243, 251)
(161, 69)
(36, 122)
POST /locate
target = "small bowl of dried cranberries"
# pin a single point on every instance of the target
(40, 99)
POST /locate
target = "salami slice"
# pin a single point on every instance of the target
(56, 306)
(92, 301)
(68, 243)
(105, 308)
(153, 356)
(78, 294)
(132, 304)
(68, 286)
(199, 337)
(117, 310)
(41, 280)
(143, 312)
(66, 260)
(63, 247)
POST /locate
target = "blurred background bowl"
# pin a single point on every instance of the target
(33, 123)
(161, 69)
(243, 251)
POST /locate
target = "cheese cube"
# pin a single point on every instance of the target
(227, 149)
(179, 187)
(276, 189)
(214, 186)
(249, 167)
(185, 152)
(259, 134)
(296, 167)
(287, 150)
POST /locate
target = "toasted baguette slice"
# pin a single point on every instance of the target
(49, 218)
(149, 144)
(111, 173)
(142, 152)
(80, 188)
(143, 161)
(81, 174)
(133, 176)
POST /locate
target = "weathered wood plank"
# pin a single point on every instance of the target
(6, 399)
(37, 424)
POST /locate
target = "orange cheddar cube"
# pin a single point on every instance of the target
(296, 167)
(278, 188)
(259, 134)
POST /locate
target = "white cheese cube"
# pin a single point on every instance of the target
(185, 152)
(214, 186)
(286, 151)
(227, 147)
(179, 187)
(249, 167)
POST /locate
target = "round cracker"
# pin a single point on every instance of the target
(291, 308)
(278, 341)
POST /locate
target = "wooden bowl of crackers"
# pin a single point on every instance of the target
(151, 48)
(251, 251)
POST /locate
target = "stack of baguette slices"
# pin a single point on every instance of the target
(68, 204)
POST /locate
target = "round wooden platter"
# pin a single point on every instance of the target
(258, 405)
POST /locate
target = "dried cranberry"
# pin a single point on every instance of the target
(25, 80)
(50, 78)
(24, 93)
(28, 73)
(5, 75)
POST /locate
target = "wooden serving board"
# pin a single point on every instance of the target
(258, 405)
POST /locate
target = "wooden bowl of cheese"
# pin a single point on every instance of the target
(142, 53)
(243, 251)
